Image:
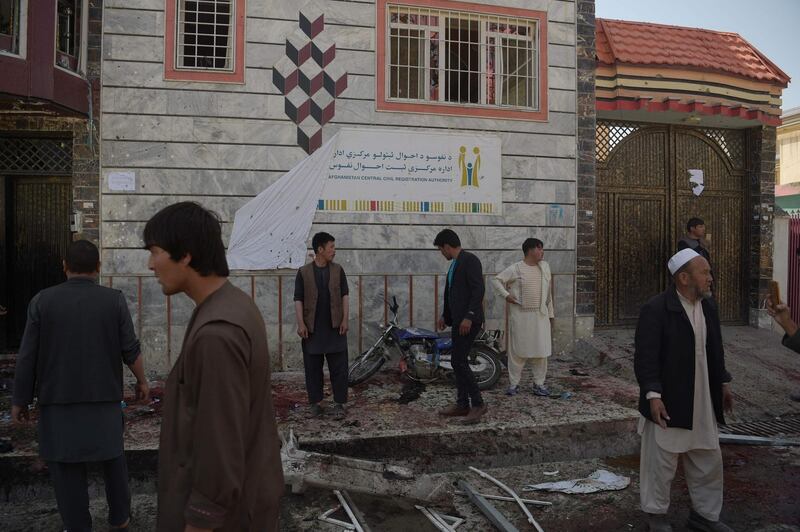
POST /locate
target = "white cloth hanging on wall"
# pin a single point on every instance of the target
(270, 231)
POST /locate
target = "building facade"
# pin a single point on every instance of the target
(182, 119)
(49, 144)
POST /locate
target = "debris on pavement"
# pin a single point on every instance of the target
(443, 523)
(326, 518)
(302, 469)
(600, 480)
(487, 509)
(532, 502)
(741, 439)
(550, 473)
(356, 517)
(511, 492)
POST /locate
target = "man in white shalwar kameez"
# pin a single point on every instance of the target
(526, 286)
(679, 364)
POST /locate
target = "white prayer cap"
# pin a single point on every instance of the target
(681, 258)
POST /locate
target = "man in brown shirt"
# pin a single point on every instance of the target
(219, 455)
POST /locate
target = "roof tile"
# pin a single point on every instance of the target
(644, 43)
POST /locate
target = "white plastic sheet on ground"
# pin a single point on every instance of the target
(270, 231)
(600, 480)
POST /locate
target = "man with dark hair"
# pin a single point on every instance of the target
(526, 286)
(463, 311)
(219, 464)
(695, 238)
(680, 366)
(77, 336)
(322, 309)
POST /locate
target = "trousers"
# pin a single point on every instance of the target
(72, 492)
(466, 386)
(315, 378)
(517, 364)
(702, 467)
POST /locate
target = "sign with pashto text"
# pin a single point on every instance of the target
(390, 171)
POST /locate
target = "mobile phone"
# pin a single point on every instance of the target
(775, 292)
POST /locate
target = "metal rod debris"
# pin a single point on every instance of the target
(326, 518)
(348, 510)
(440, 525)
(757, 440)
(532, 502)
(362, 522)
(511, 492)
(492, 514)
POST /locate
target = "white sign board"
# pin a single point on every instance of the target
(413, 171)
(122, 181)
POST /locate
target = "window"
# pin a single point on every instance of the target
(12, 20)
(68, 33)
(450, 55)
(205, 40)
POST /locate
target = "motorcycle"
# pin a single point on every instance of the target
(425, 355)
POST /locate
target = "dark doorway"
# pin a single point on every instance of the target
(644, 198)
(37, 234)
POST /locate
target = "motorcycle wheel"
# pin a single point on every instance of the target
(365, 366)
(486, 367)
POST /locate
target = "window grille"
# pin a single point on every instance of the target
(456, 57)
(35, 156)
(205, 35)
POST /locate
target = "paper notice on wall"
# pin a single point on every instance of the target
(696, 181)
(122, 181)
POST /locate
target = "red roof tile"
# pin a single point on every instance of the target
(644, 43)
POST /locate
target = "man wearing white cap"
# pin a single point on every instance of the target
(680, 366)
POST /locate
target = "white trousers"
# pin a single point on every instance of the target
(517, 364)
(702, 467)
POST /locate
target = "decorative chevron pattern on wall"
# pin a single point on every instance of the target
(309, 77)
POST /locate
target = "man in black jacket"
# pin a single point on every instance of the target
(684, 386)
(463, 311)
(695, 238)
(77, 336)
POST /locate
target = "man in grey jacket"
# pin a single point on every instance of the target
(77, 336)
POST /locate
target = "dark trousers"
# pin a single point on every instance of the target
(337, 367)
(72, 492)
(466, 386)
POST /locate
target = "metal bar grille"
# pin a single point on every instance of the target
(438, 55)
(205, 34)
(793, 290)
(35, 156)
(778, 427)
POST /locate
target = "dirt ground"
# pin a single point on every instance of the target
(762, 484)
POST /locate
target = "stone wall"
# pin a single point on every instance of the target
(221, 144)
(586, 234)
(761, 169)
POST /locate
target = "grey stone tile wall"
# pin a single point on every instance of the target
(221, 144)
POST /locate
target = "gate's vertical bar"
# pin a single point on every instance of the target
(253, 287)
(411, 300)
(435, 302)
(169, 329)
(385, 298)
(360, 313)
(139, 304)
(280, 321)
